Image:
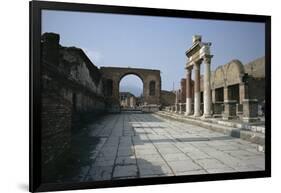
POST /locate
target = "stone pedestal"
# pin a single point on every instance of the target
(229, 109)
(182, 108)
(250, 110)
(218, 109)
(239, 110)
(176, 108)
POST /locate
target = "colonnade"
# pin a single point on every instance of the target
(197, 55)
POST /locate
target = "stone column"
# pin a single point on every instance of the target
(213, 95)
(229, 109)
(197, 96)
(243, 92)
(188, 92)
(207, 87)
(250, 110)
(225, 93)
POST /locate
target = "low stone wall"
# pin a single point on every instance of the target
(254, 134)
(150, 108)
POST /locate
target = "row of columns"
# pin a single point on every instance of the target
(207, 88)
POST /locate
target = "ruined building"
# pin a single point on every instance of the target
(71, 89)
(74, 91)
(127, 100)
(231, 91)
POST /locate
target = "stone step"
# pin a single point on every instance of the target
(219, 126)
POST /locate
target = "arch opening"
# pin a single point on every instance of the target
(131, 92)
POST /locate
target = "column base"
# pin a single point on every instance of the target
(228, 117)
(206, 115)
(197, 115)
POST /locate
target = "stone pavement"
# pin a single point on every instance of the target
(134, 145)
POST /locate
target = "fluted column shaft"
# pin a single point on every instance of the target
(207, 87)
(197, 97)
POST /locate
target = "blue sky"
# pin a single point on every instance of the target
(153, 42)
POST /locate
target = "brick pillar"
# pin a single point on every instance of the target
(183, 90)
(188, 92)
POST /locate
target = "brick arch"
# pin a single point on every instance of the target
(131, 73)
(146, 75)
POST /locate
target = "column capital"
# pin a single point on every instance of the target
(207, 59)
(197, 65)
(189, 68)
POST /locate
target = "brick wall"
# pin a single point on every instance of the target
(72, 95)
(167, 98)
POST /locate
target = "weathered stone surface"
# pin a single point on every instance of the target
(167, 98)
(71, 93)
(229, 109)
(99, 173)
(126, 171)
(145, 145)
(151, 92)
(162, 147)
(250, 110)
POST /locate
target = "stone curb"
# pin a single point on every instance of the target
(254, 137)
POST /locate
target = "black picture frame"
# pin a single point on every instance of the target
(35, 107)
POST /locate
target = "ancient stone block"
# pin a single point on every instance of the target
(250, 110)
(218, 109)
(229, 109)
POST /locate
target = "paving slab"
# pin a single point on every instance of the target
(183, 166)
(125, 171)
(146, 145)
(126, 160)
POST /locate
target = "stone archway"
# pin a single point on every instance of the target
(151, 85)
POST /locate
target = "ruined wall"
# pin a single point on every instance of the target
(167, 98)
(226, 75)
(71, 93)
(231, 75)
(256, 68)
(256, 71)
